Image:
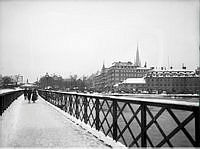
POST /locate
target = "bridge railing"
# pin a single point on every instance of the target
(134, 122)
(7, 98)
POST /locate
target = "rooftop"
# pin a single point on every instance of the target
(134, 81)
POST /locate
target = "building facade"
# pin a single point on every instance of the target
(132, 85)
(118, 72)
(17, 79)
(173, 81)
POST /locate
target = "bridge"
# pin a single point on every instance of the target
(66, 119)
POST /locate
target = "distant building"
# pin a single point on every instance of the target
(132, 84)
(1, 80)
(18, 79)
(118, 72)
(173, 81)
(198, 71)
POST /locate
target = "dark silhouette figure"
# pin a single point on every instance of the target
(29, 92)
(34, 96)
(25, 94)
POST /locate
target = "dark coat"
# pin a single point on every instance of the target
(34, 97)
(25, 92)
(29, 92)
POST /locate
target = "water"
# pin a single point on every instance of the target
(165, 122)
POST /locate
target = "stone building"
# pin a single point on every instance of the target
(132, 85)
(118, 72)
(173, 81)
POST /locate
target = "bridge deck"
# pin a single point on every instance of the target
(37, 124)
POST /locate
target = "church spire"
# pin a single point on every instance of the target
(103, 67)
(137, 61)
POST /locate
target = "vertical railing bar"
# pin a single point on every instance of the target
(85, 110)
(115, 120)
(143, 126)
(77, 107)
(197, 127)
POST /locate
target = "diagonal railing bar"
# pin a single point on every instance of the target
(90, 112)
(81, 110)
(120, 111)
(183, 129)
(177, 129)
(105, 115)
(158, 126)
(137, 111)
(128, 124)
(109, 130)
(155, 117)
(137, 138)
(105, 120)
(152, 121)
(109, 111)
(121, 136)
(101, 107)
(137, 119)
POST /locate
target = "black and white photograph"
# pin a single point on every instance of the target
(99, 73)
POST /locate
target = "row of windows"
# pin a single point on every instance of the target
(127, 70)
(173, 85)
(175, 79)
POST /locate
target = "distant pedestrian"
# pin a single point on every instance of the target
(29, 92)
(34, 96)
(25, 94)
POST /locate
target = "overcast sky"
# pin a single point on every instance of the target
(75, 37)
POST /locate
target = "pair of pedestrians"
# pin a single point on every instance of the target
(28, 93)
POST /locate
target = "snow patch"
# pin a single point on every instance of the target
(97, 134)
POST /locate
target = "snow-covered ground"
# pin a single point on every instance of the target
(41, 124)
(8, 90)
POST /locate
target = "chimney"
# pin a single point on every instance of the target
(183, 67)
(151, 67)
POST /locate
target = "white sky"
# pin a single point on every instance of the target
(75, 37)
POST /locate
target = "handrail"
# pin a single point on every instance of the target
(149, 101)
(7, 98)
(115, 117)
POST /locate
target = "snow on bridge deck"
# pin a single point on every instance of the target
(38, 124)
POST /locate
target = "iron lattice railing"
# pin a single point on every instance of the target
(7, 98)
(134, 122)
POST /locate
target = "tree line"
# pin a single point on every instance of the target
(56, 82)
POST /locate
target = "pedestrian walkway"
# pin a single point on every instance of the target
(37, 124)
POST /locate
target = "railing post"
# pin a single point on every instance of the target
(197, 127)
(77, 113)
(46, 98)
(115, 120)
(1, 104)
(85, 116)
(97, 113)
(143, 126)
(70, 105)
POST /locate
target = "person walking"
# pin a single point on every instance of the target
(34, 96)
(29, 92)
(25, 94)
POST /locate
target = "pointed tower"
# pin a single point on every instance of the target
(145, 65)
(137, 61)
(103, 68)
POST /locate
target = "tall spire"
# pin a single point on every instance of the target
(137, 61)
(103, 67)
